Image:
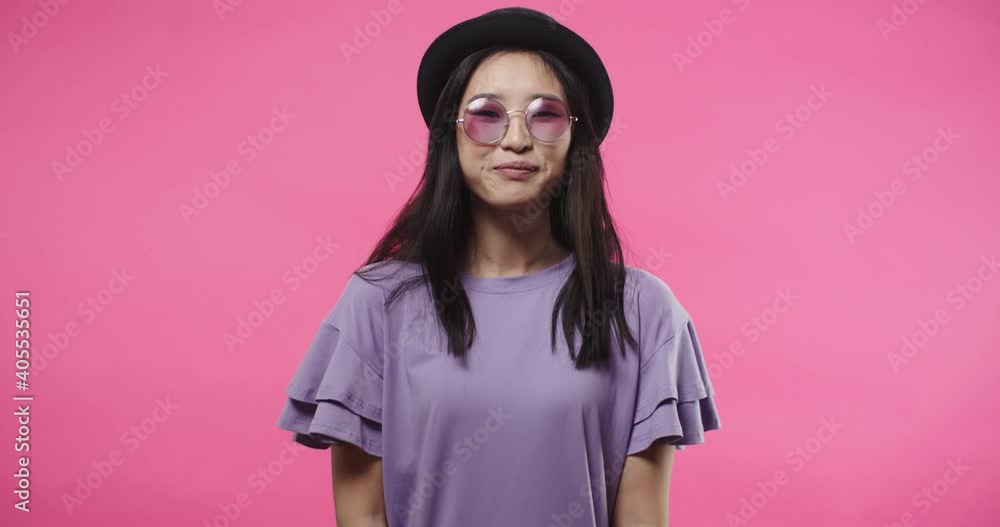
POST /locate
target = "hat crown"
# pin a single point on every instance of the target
(522, 27)
(518, 11)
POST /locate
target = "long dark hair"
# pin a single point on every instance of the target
(433, 228)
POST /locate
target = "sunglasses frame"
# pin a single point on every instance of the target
(506, 126)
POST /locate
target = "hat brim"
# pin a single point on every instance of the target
(517, 27)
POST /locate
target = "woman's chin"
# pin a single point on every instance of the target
(515, 201)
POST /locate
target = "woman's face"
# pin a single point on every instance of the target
(514, 79)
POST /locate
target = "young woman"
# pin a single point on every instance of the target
(494, 362)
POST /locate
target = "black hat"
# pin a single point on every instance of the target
(515, 26)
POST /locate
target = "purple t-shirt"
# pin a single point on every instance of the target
(516, 436)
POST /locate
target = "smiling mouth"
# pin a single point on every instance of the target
(516, 173)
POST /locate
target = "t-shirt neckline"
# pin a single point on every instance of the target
(525, 282)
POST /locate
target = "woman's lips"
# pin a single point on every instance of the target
(516, 173)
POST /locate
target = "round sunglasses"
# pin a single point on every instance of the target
(486, 120)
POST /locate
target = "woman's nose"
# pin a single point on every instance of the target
(517, 136)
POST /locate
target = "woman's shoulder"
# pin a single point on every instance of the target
(377, 280)
(388, 273)
(653, 301)
(368, 288)
(649, 289)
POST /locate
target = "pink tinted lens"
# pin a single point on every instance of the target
(485, 120)
(548, 119)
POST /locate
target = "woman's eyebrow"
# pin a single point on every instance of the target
(501, 98)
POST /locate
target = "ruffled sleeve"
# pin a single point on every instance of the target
(675, 395)
(336, 393)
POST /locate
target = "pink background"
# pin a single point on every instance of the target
(679, 132)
